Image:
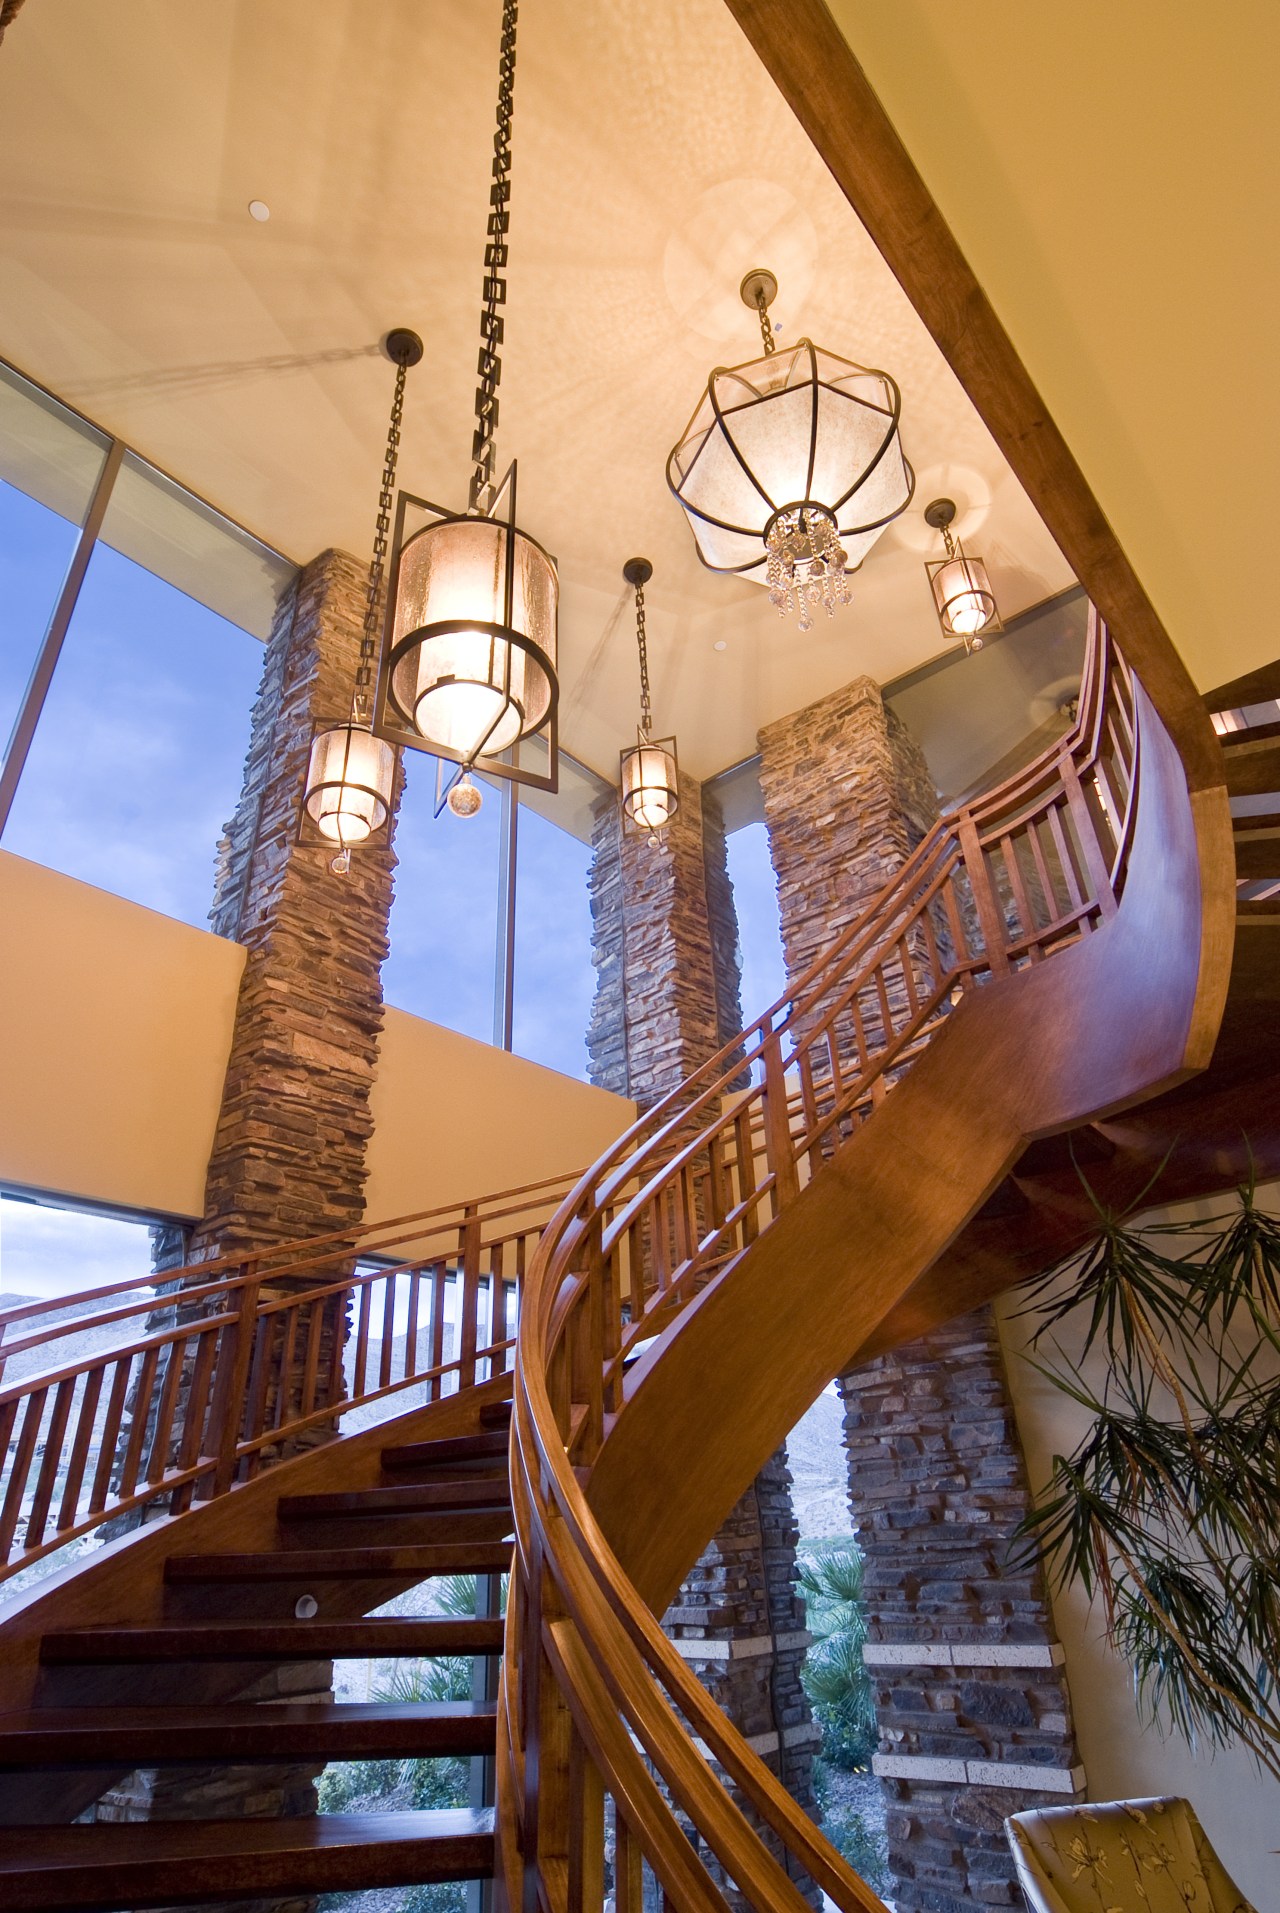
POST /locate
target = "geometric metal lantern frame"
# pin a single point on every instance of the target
(468, 664)
(797, 431)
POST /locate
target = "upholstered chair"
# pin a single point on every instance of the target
(1120, 1856)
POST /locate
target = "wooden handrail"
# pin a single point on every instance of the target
(935, 1022)
(193, 1385)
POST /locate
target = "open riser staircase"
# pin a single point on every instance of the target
(318, 1430)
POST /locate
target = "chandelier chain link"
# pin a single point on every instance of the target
(377, 563)
(489, 364)
(646, 707)
(766, 324)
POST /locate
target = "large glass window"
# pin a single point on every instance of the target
(555, 979)
(136, 759)
(50, 464)
(47, 1252)
(444, 921)
(755, 898)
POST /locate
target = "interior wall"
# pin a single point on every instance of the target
(1125, 1756)
(115, 1027)
(1108, 172)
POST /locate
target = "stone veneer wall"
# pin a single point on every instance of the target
(665, 947)
(936, 1480)
(971, 1695)
(288, 1158)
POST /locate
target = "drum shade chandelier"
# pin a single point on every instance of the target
(468, 663)
(962, 594)
(351, 773)
(792, 466)
(650, 774)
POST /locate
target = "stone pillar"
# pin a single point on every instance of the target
(971, 1693)
(288, 1158)
(665, 947)
(936, 1477)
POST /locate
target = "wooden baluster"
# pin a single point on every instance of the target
(239, 1342)
(80, 1447)
(684, 1228)
(1097, 866)
(143, 1389)
(909, 974)
(1018, 889)
(588, 1330)
(311, 1357)
(777, 1127)
(469, 1296)
(438, 1279)
(29, 1429)
(166, 1410)
(110, 1432)
(364, 1311)
(288, 1332)
(936, 968)
(611, 1346)
(1066, 862)
(268, 1331)
(586, 1829)
(955, 922)
(388, 1329)
(411, 1323)
(628, 1866)
(991, 923)
(887, 1029)
(193, 1422)
(744, 1143)
(718, 1197)
(47, 1478)
(1036, 848)
(498, 1286)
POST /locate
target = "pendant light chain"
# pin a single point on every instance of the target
(360, 701)
(489, 365)
(766, 324)
(646, 706)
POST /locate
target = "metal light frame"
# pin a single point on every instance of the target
(380, 794)
(971, 580)
(634, 754)
(390, 720)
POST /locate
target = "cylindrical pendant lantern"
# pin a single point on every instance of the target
(349, 784)
(472, 669)
(962, 594)
(650, 783)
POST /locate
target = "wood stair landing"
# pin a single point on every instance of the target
(172, 1862)
(163, 1694)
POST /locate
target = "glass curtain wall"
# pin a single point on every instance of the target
(126, 757)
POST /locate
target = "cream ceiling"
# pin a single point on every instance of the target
(1112, 173)
(654, 164)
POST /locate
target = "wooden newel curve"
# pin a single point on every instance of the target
(1057, 947)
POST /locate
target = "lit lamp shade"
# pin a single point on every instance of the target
(798, 427)
(349, 780)
(650, 784)
(464, 678)
(963, 598)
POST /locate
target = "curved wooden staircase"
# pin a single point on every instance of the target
(1051, 957)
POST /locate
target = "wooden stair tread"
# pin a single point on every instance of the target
(379, 1638)
(433, 1497)
(446, 1453)
(495, 1414)
(1253, 763)
(1250, 821)
(341, 1564)
(245, 1730)
(46, 1868)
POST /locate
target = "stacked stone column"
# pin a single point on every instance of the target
(665, 947)
(288, 1157)
(970, 1692)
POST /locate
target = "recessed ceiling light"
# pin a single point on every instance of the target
(721, 644)
(259, 210)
